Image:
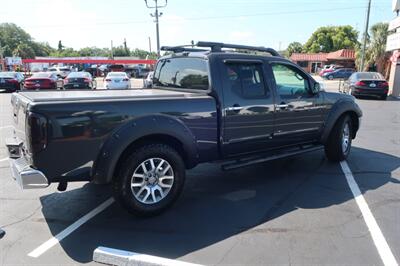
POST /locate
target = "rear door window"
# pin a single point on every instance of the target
(246, 80)
(182, 73)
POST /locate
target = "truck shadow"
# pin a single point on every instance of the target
(215, 205)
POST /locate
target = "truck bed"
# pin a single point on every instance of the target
(93, 95)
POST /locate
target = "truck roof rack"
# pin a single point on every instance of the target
(182, 48)
(217, 47)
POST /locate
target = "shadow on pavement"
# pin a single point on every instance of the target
(214, 206)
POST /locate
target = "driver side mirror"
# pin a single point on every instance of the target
(316, 88)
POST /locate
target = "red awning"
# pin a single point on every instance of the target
(319, 57)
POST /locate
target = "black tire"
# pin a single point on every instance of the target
(330, 77)
(333, 147)
(383, 98)
(123, 193)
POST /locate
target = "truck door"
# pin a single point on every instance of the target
(248, 109)
(298, 117)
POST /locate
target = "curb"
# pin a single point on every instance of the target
(119, 257)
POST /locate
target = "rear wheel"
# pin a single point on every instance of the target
(384, 97)
(330, 77)
(338, 145)
(150, 180)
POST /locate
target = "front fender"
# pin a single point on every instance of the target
(135, 129)
(339, 108)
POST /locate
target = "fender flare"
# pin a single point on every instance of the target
(337, 110)
(120, 139)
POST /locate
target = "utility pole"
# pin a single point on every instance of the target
(149, 44)
(156, 15)
(1, 60)
(365, 37)
(112, 54)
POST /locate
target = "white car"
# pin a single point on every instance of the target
(60, 71)
(117, 80)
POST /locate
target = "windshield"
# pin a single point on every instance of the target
(369, 75)
(79, 75)
(7, 74)
(116, 74)
(41, 75)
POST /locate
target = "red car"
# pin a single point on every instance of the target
(41, 81)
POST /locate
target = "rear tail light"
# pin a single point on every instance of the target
(108, 79)
(36, 132)
(360, 83)
(383, 84)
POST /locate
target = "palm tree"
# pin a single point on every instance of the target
(376, 52)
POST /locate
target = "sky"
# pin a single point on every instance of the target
(269, 23)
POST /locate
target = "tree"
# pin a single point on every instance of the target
(376, 51)
(120, 51)
(293, 47)
(60, 46)
(332, 38)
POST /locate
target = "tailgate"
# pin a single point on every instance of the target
(19, 108)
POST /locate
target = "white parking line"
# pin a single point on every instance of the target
(63, 234)
(376, 233)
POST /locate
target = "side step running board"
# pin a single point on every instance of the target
(256, 160)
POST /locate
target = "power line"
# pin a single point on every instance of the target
(205, 18)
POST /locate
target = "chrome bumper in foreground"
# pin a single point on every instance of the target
(26, 176)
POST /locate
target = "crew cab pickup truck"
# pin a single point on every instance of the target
(231, 104)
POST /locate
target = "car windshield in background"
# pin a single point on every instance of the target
(41, 75)
(369, 75)
(79, 75)
(117, 74)
(64, 69)
(7, 74)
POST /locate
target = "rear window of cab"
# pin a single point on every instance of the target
(182, 73)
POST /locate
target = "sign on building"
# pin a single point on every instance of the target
(393, 42)
(13, 61)
(395, 5)
(394, 24)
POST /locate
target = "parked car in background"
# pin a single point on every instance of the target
(329, 68)
(117, 80)
(343, 73)
(148, 82)
(41, 81)
(61, 72)
(79, 80)
(11, 81)
(367, 84)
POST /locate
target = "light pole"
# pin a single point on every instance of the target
(365, 37)
(156, 15)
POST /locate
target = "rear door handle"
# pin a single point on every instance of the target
(234, 108)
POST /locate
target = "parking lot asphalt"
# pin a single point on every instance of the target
(292, 211)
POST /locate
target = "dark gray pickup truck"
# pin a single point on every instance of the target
(208, 104)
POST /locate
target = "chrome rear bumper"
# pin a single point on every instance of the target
(22, 172)
(26, 176)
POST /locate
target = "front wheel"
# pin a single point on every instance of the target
(150, 180)
(338, 145)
